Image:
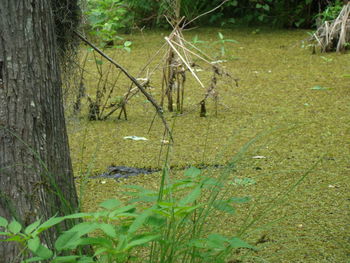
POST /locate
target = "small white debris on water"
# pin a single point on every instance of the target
(333, 186)
(142, 79)
(259, 157)
(218, 61)
(135, 138)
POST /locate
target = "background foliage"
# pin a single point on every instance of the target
(122, 15)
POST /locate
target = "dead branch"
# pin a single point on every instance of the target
(134, 80)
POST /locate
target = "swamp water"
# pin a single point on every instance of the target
(299, 101)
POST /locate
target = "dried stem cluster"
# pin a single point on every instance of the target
(334, 35)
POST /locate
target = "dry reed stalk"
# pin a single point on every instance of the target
(334, 35)
(177, 62)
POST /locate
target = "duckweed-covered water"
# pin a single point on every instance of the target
(295, 104)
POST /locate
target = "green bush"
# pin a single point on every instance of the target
(331, 12)
(107, 19)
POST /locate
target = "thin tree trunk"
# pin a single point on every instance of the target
(36, 179)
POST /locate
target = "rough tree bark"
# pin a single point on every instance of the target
(35, 167)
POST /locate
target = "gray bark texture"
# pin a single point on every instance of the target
(36, 179)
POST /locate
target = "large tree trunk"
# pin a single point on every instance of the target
(36, 179)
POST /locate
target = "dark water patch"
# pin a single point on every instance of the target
(121, 172)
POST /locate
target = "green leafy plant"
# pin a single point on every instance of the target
(107, 19)
(264, 8)
(325, 59)
(171, 227)
(331, 11)
(222, 42)
(112, 244)
(196, 40)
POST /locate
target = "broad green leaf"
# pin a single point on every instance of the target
(3, 222)
(127, 43)
(101, 241)
(15, 238)
(78, 215)
(222, 205)
(140, 220)
(185, 210)
(141, 241)
(179, 186)
(84, 228)
(65, 259)
(155, 220)
(234, 3)
(100, 251)
(33, 244)
(192, 172)
(110, 204)
(199, 243)
(14, 227)
(108, 229)
(166, 204)
(238, 243)
(29, 229)
(43, 252)
(266, 7)
(216, 241)
(68, 240)
(49, 223)
(122, 210)
(191, 197)
(123, 241)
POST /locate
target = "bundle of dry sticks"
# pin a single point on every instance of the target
(334, 35)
